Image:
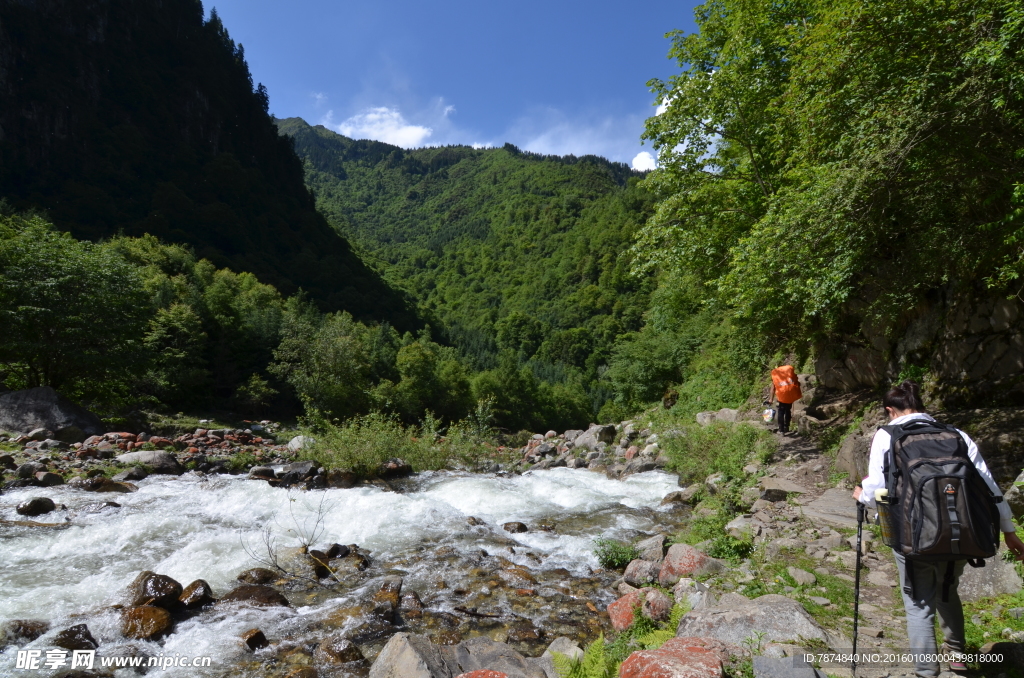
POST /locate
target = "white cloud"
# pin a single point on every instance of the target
(644, 161)
(447, 110)
(318, 98)
(382, 124)
(552, 132)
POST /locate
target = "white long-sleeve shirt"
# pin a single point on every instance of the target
(875, 479)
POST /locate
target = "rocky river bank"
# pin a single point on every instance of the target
(285, 569)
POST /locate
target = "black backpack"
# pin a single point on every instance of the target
(939, 505)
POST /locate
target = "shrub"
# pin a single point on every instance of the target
(614, 555)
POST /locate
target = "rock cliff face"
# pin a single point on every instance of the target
(972, 345)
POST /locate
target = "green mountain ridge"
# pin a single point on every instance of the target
(500, 249)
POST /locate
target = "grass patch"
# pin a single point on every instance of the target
(719, 448)
(362, 444)
(614, 555)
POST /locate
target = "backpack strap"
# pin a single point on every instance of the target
(947, 580)
(908, 577)
(889, 468)
(954, 520)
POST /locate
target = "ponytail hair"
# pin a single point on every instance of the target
(906, 396)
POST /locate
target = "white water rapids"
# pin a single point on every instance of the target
(194, 527)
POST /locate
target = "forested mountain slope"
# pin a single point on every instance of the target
(505, 250)
(140, 117)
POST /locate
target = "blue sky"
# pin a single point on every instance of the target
(563, 76)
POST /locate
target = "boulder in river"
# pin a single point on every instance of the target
(336, 649)
(394, 468)
(254, 594)
(196, 594)
(150, 588)
(146, 622)
(76, 637)
(42, 407)
(23, 630)
(159, 461)
(47, 479)
(255, 639)
(258, 575)
(515, 527)
(36, 506)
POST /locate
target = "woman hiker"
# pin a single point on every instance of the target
(903, 405)
(785, 388)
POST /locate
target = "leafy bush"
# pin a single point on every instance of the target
(362, 444)
(614, 555)
(718, 448)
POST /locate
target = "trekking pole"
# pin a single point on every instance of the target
(856, 585)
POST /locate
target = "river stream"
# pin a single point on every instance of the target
(212, 528)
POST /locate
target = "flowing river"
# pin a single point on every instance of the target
(213, 528)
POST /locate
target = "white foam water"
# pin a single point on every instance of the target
(196, 527)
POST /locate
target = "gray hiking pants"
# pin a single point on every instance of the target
(922, 607)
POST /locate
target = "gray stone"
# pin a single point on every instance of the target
(735, 619)
(652, 549)
(727, 414)
(788, 667)
(641, 572)
(696, 594)
(134, 473)
(42, 407)
(299, 443)
(408, 655)
(29, 469)
(996, 578)
(742, 527)
(853, 456)
(1014, 497)
(161, 462)
(594, 436)
(835, 507)
(787, 486)
(802, 577)
(705, 418)
(38, 434)
(564, 646)
(775, 547)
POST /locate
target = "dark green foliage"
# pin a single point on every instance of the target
(132, 117)
(614, 555)
(71, 312)
(824, 159)
(508, 253)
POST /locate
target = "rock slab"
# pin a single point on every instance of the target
(681, 657)
(42, 407)
(735, 619)
(409, 655)
(683, 560)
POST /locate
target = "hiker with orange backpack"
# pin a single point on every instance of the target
(939, 509)
(785, 388)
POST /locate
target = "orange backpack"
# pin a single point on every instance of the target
(787, 386)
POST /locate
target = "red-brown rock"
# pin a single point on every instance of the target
(159, 442)
(254, 639)
(621, 611)
(683, 560)
(146, 622)
(632, 451)
(678, 658)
